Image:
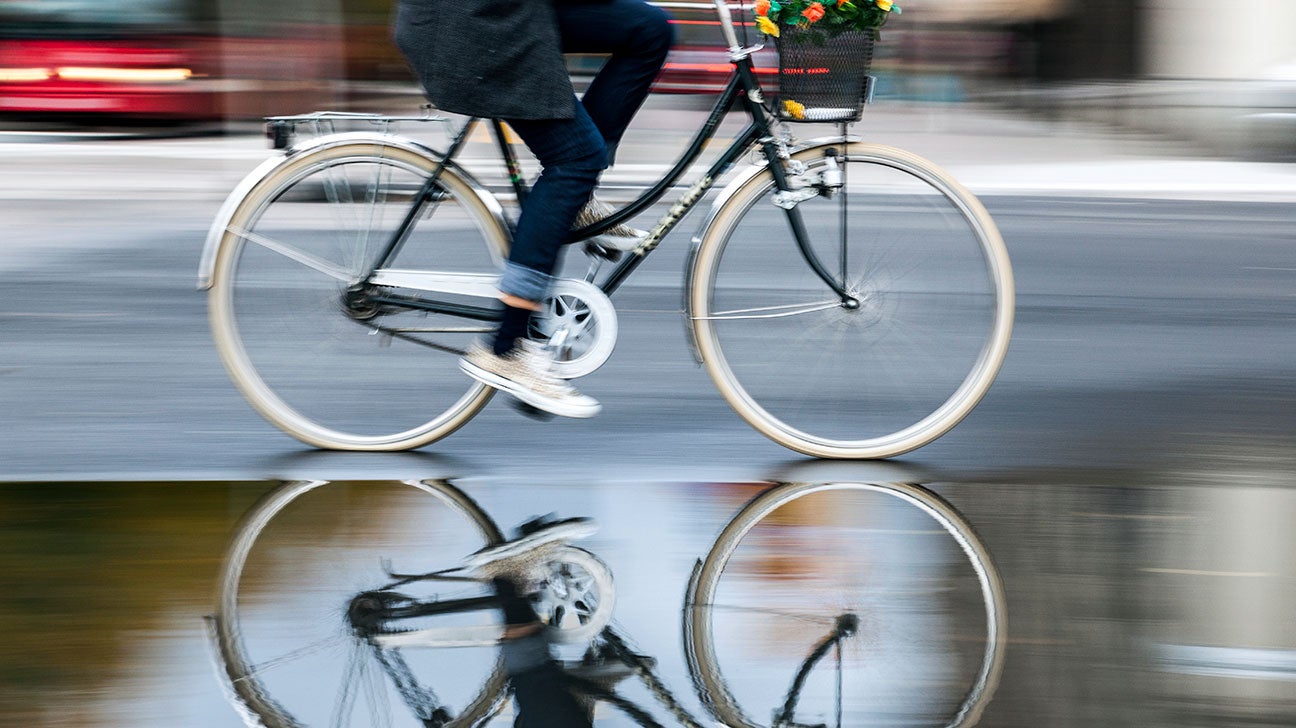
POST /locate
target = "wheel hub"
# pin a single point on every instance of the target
(866, 306)
(368, 611)
(357, 304)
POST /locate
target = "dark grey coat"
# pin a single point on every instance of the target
(489, 58)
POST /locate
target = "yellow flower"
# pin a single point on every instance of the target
(793, 109)
(767, 26)
(883, 4)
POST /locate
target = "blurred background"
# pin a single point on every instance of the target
(1220, 75)
(1131, 470)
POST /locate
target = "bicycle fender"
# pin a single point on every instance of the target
(809, 149)
(207, 263)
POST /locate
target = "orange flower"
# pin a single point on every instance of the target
(814, 12)
(762, 7)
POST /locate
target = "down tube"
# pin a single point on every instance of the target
(681, 208)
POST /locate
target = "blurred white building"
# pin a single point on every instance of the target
(1222, 74)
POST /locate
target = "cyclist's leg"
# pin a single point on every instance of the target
(539, 686)
(638, 37)
(572, 155)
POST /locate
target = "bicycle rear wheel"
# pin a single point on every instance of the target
(292, 573)
(906, 357)
(304, 342)
(895, 561)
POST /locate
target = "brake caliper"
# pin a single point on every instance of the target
(825, 181)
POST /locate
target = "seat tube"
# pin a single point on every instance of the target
(421, 200)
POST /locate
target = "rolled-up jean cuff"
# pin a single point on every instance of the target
(524, 282)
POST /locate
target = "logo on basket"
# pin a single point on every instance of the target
(822, 20)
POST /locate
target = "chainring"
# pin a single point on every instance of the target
(579, 325)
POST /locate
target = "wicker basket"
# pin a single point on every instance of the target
(823, 78)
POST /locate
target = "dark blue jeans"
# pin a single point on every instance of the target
(574, 152)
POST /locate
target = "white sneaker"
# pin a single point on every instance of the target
(527, 373)
(621, 237)
(532, 538)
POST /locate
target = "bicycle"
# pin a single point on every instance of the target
(819, 604)
(848, 299)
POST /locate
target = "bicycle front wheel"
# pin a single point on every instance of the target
(907, 352)
(911, 592)
(304, 559)
(301, 335)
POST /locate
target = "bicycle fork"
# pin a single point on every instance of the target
(828, 182)
(847, 625)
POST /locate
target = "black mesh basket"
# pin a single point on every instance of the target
(823, 78)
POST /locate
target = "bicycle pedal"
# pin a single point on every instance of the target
(594, 250)
(531, 411)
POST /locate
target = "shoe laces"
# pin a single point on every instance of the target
(596, 210)
(539, 364)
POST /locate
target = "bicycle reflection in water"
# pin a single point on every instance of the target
(836, 603)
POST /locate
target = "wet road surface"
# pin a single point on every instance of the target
(1152, 598)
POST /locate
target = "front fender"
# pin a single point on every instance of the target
(207, 264)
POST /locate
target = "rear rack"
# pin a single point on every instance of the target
(281, 129)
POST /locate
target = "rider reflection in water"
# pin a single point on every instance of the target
(540, 687)
(505, 61)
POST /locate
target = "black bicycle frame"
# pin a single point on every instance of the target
(742, 88)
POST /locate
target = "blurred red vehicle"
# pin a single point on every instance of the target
(699, 61)
(162, 59)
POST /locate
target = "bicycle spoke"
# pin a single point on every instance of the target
(747, 609)
(766, 312)
(255, 671)
(307, 562)
(331, 270)
(284, 309)
(354, 675)
(921, 645)
(904, 358)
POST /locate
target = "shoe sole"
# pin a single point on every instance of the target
(616, 242)
(563, 531)
(561, 409)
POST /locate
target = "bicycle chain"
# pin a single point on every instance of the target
(644, 671)
(421, 700)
